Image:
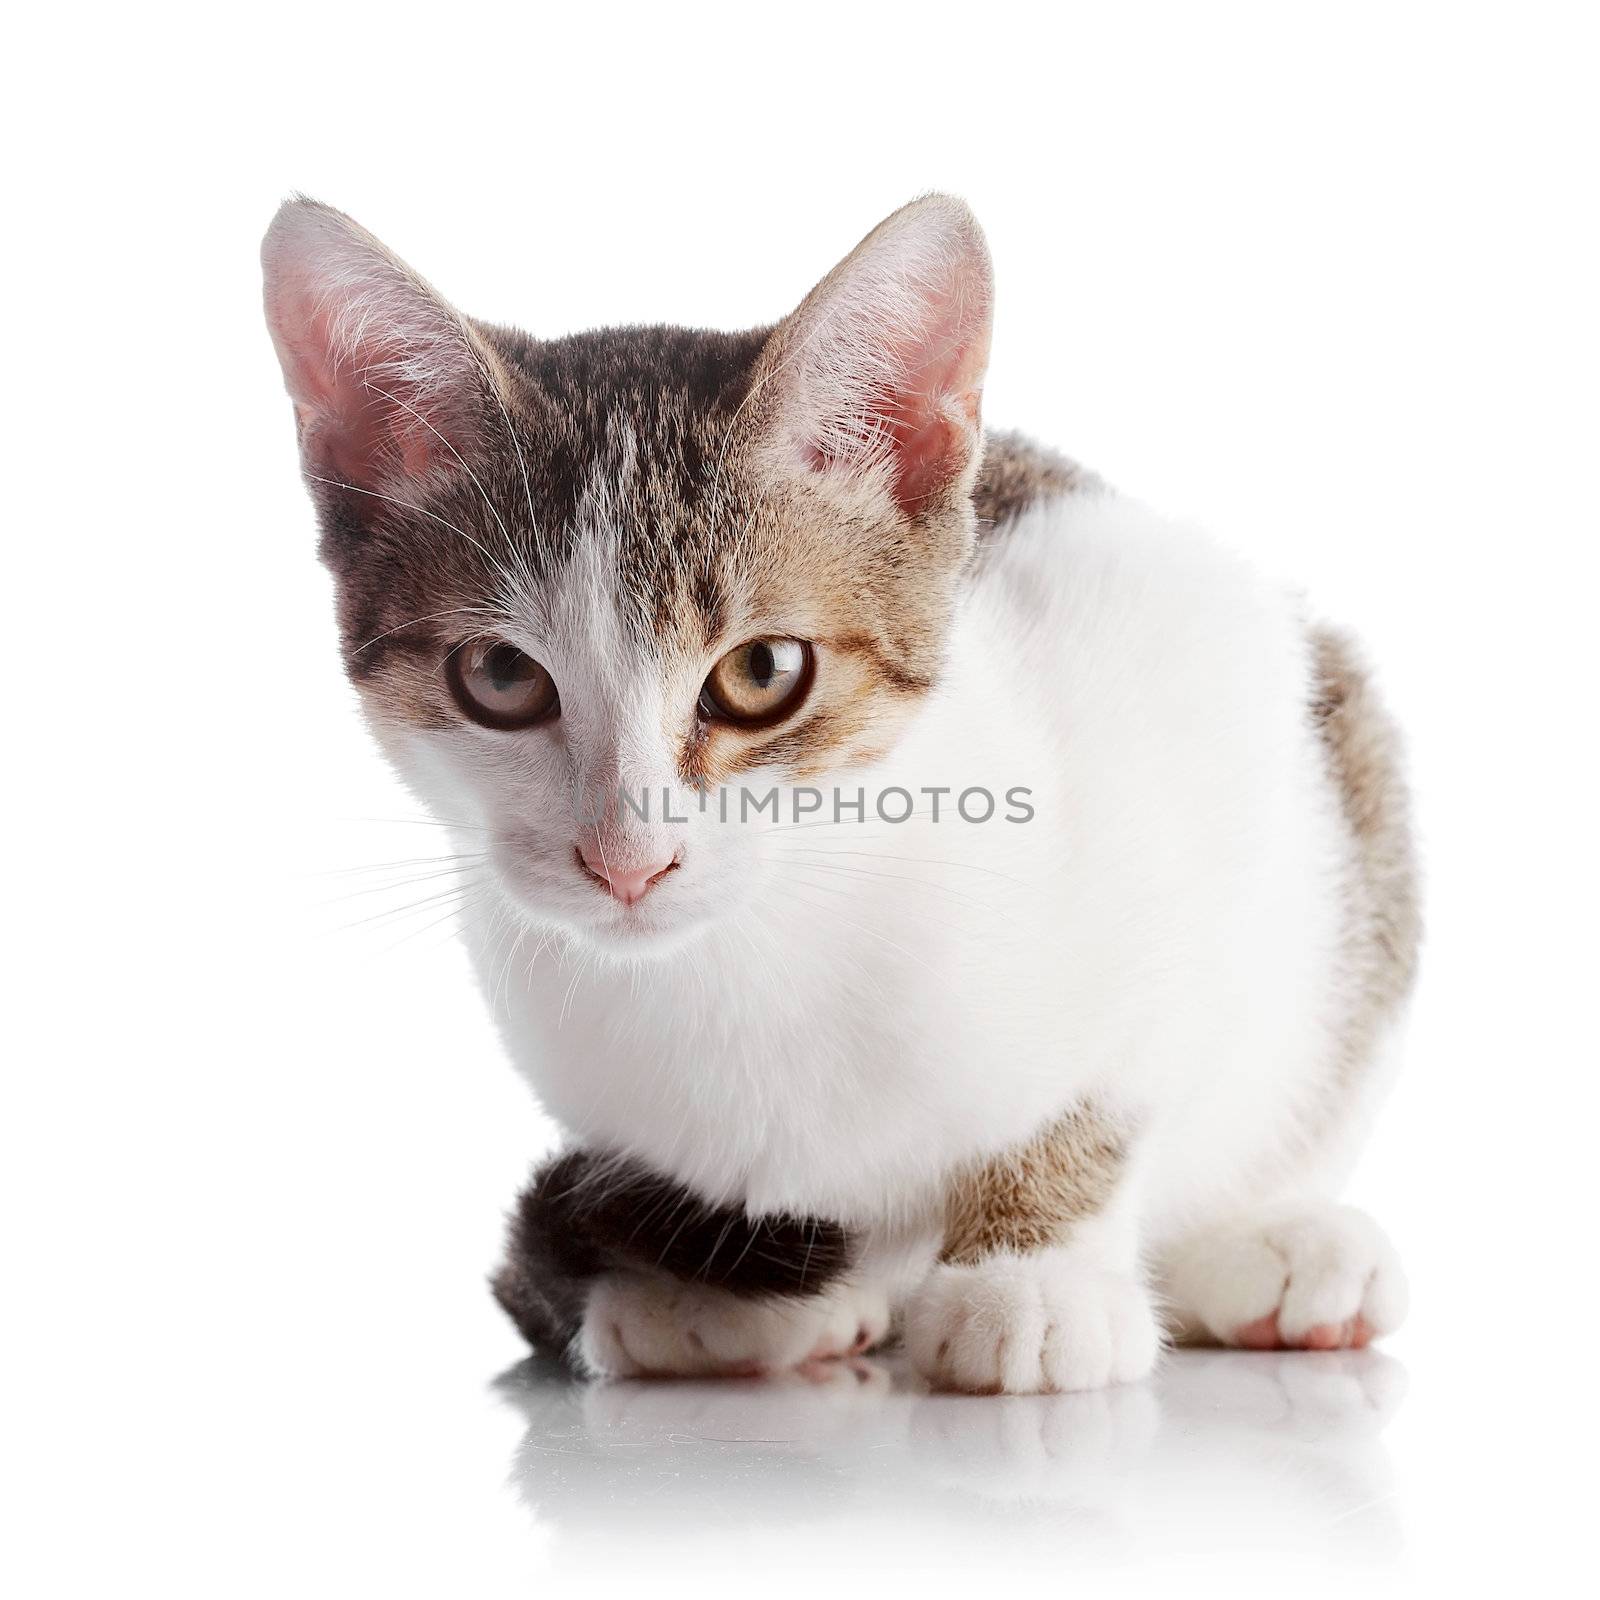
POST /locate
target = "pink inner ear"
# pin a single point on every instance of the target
(385, 381)
(349, 429)
(918, 392)
(934, 420)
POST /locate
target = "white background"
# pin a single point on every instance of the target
(1327, 281)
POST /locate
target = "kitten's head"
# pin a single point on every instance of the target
(573, 573)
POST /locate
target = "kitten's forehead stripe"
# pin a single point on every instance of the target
(645, 413)
(645, 418)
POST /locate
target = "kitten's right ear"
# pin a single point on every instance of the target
(389, 383)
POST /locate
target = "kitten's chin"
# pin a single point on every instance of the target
(638, 940)
(638, 933)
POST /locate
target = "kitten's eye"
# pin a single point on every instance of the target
(759, 682)
(499, 686)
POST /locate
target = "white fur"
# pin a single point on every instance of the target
(1317, 1266)
(643, 1325)
(1051, 1322)
(830, 1019)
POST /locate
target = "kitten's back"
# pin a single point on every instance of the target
(1384, 918)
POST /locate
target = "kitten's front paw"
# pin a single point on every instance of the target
(644, 1325)
(1043, 1323)
(1316, 1277)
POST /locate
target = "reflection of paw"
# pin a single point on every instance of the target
(1350, 1393)
(1326, 1396)
(1072, 1448)
(811, 1402)
(1321, 1278)
(638, 1325)
(652, 1456)
(1043, 1323)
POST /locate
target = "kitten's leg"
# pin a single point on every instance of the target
(1301, 1276)
(1039, 1288)
(623, 1273)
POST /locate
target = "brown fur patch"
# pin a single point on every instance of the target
(1383, 915)
(1028, 1198)
(1017, 474)
(893, 673)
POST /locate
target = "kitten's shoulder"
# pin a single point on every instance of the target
(1018, 474)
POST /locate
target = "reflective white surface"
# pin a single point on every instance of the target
(855, 1462)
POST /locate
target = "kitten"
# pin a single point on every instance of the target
(932, 891)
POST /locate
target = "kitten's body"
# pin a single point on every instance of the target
(1157, 936)
(1138, 1031)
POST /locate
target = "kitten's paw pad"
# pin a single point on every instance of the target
(1039, 1324)
(1325, 1278)
(1265, 1333)
(638, 1325)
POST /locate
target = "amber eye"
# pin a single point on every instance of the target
(762, 681)
(496, 684)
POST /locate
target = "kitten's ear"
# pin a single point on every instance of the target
(880, 371)
(388, 381)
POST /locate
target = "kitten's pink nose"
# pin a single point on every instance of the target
(626, 883)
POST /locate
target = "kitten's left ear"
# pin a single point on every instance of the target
(879, 373)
